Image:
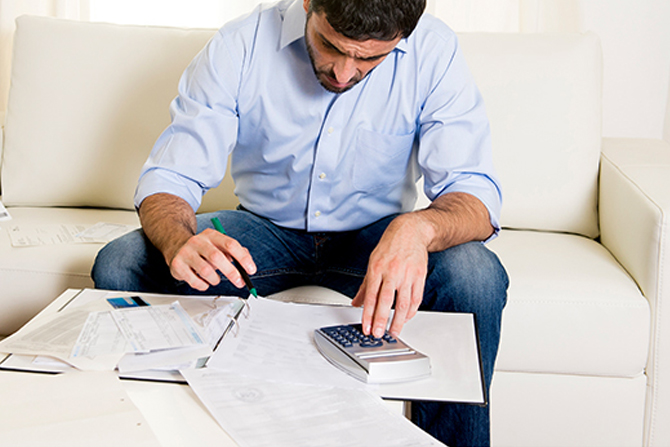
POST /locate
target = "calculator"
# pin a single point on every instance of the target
(370, 359)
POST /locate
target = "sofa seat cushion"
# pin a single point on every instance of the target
(571, 308)
(32, 277)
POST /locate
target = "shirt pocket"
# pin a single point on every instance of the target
(381, 160)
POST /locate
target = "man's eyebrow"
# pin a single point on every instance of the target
(330, 45)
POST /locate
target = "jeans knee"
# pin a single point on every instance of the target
(117, 262)
(471, 277)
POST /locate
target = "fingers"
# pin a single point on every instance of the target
(377, 306)
(384, 288)
(204, 255)
(407, 304)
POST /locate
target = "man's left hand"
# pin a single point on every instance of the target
(398, 266)
(396, 273)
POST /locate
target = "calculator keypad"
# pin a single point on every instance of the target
(350, 337)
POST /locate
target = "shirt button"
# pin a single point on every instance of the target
(330, 130)
(322, 175)
(317, 214)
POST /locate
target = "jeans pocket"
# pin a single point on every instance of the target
(381, 160)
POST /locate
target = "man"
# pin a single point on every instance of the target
(331, 110)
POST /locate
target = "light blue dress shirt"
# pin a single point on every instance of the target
(309, 159)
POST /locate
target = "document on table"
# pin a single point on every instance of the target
(56, 336)
(93, 339)
(276, 343)
(261, 413)
(153, 328)
(99, 336)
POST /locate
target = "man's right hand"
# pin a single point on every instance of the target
(169, 223)
(198, 260)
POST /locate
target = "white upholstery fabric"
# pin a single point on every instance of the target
(556, 410)
(634, 207)
(114, 82)
(568, 302)
(543, 98)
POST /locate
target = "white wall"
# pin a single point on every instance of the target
(635, 36)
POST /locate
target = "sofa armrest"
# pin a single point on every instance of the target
(634, 224)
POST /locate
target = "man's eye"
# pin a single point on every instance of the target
(330, 47)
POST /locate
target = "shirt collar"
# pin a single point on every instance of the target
(293, 27)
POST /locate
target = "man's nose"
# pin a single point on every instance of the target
(345, 69)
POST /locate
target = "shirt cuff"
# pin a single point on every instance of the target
(156, 181)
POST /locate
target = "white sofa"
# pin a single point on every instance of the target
(585, 350)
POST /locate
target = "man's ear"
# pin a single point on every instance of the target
(305, 5)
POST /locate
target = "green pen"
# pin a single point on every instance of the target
(245, 276)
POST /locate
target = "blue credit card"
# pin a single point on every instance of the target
(127, 301)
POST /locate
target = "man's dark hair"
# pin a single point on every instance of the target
(371, 19)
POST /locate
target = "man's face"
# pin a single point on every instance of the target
(339, 62)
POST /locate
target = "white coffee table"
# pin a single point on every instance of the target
(172, 411)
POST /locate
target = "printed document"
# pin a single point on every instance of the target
(276, 342)
(93, 337)
(265, 414)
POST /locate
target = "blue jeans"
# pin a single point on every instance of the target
(464, 278)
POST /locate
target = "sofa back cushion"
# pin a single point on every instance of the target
(87, 102)
(543, 98)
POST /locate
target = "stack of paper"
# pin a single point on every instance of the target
(96, 337)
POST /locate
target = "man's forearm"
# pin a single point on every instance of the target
(451, 219)
(168, 221)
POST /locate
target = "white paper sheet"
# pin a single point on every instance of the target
(90, 339)
(99, 336)
(50, 234)
(56, 336)
(277, 343)
(261, 413)
(53, 234)
(152, 328)
(104, 232)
